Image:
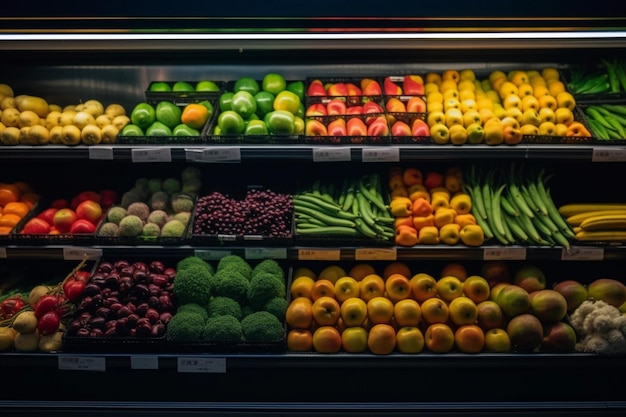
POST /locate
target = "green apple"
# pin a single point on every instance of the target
(475, 133)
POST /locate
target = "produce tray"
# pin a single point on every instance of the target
(238, 240)
(170, 140)
(599, 141)
(582, 98)
(142, 240)
(48, 239)
(7, 239)
(182, 97)
(579, 116)
(207, 346)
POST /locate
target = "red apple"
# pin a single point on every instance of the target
(89, 210)
(60, 203)
(316, 109)
(82, 226)
(63, 219)
(48, 214)
(36, 226)
(420, 128)
(107, 198)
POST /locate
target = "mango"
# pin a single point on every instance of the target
(35, 104)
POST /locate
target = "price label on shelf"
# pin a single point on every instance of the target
(211, 255)
(375, 254)
(608, 155)
(71, 253)
(202, 365)
(319, 254)
(265, 253)
(3, 253)
(160, 154)
(579, 253)
(338, 154)
(101, 152)
(386, 154)
(144, 362)
(220, 154)
(82, 363)
(511, 254)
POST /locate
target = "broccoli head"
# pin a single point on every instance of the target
(220, 306)
(224, 328)
(235, 260)
(194, 260)
(262, 326)
(230, 283)
(277, 306)
(193, 285)
(246, 310)
(263, 287)
(270, 266)
(185, 327)
(194, 308)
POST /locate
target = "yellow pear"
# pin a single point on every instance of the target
(435, 106)
(485, 114)
(555, 87)
(468, 104)
(433, 77)
(519, 78)
(493, 132)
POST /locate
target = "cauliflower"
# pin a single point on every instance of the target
(219, 306)
(185, 327)
(262, 326)
(224, 328)
(271, 266)
(601, 328)
(193, 285)
(263, 287)
(232, 284)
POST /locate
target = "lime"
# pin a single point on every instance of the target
(182, 86)
(248, 84)
(274, 83)
(159, 86)
(206, 85)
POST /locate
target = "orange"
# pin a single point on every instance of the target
(397, 267)
(9, 220)
(5, 230)
(30, 199)
(195, 115)
(9, 193)
(16, 207)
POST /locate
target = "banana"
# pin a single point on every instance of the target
(604, 222)
(576, 219)
(568, 210)
(618, 236)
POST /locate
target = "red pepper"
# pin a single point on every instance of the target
(48, 323)
(11, 306)
(46, 303)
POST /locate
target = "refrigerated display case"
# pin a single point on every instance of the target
(115, 58)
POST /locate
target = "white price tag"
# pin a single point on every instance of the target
(144, 362)
(206, 365)
(82, 363)
(375, 254)
(211, 255)
(513, 254)
(3, 253)
(319, 254)
(608, 155)
(382, 154)
(101, 152)
(160, 154)
(221, 154)
(71, 253)
(265, 253)
(579, 253)
(227, 238)
(252, 237)
(338, 154)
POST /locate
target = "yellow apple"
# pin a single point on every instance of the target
(449, 288)
(354, 339)
(471, 116)
(423, 286)
(345, 288)
(476, 288)
(463, 310)
(458, 134)
(440, 133)
(353, 312)
(409, 339)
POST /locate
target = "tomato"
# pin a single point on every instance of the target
(73, 289)
(82, 276)
(264, 102)
(45, 304)
(248, 84)
(48, 323)
(168, 113)
(274, 83)
(143, 115)
(230, 123)
(243, 103)
(286, 100)
(11, 306)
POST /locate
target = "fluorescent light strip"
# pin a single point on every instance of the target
(312, 36)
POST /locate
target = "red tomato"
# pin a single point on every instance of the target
(48, 323)
(73, 289)
(10, 307)
(45, 304)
